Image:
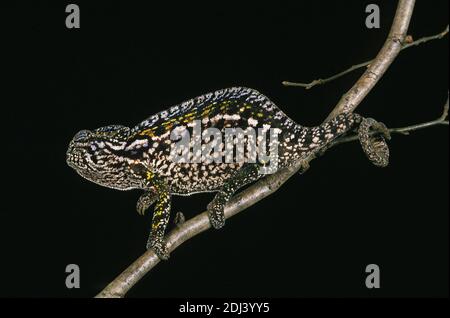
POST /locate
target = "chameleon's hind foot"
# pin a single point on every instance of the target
(160, 248)
(372, 136)
(304, 166)
(216, 213)
(247, 174)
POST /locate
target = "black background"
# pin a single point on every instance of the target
(312, 238)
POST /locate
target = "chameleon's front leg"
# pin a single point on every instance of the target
(160, 220)
(247, 174)
(161, 193)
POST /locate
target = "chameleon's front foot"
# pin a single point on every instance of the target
(160, 248)
(145, 201)
(216, 213)
(159, 192)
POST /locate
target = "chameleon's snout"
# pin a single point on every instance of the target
(76, 154)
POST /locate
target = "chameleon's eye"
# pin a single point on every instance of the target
(81, 135)
(94, 159)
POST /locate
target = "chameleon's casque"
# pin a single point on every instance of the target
(140, 158)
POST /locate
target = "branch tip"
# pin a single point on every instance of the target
(406, 43)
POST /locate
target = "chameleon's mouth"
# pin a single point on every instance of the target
(75, 157)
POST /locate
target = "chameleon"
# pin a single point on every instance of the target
(141, 157)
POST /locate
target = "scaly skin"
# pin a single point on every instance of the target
(139, 158)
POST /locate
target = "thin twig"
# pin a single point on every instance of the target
(426, 39)
(120, 286)
(321, 81)
(405, 45)
(404, 130)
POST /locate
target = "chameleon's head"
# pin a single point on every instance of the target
(97, 155)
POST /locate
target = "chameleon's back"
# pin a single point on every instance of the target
(237, 107)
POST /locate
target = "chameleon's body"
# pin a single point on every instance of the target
(140, 158)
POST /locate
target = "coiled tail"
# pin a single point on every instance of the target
(371, 133)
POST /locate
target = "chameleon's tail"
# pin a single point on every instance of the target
(372, 135)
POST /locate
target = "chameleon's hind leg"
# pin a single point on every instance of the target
(247, 174)
(162, 209)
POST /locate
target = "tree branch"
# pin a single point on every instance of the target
(120, 286)
(405, 45)
(381, 63)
